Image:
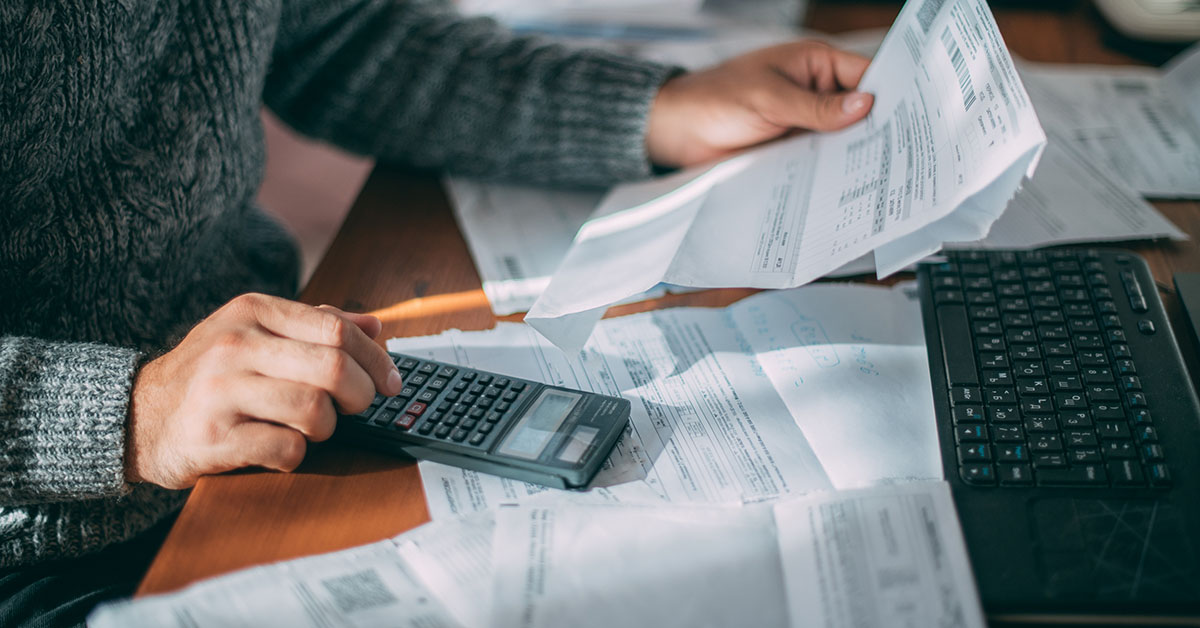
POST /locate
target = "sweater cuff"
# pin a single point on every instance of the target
(598, 119)
(63, 411)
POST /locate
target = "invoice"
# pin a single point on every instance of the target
(741, 404)
(951, 127)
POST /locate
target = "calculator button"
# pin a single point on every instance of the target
(438, 383)
(459, 435)
(436, 416)
(417, 408)
(365, 414)
(427, 396)
(378, 400)
(425, 428)
(384, 417)
(451, 420)
(476, 413)
(453, 395)
(494, 417)
(476, 389)
(405, 421)
(447, 372)
(503, 382)
(510, 396)
(503, 406)
(468, 376)
(518, 386)
(484, 428)
(460, 385)
(469, 424)
(477, 439)
(417, 380)
(407, 364)
(485, 379)
(492, 391)
(428, 368)
(459, 408)
(407, 392)
(443, 431)
(484, 402)
(395, 403)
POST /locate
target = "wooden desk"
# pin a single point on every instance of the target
(400, 256)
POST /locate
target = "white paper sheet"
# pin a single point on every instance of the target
(1139, 123)
(951, 127)
(857, 558)
(365, 586)
(714, 394)
(891, 556)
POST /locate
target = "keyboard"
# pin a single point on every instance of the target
(1045, 367)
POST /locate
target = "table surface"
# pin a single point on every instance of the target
(380, 263)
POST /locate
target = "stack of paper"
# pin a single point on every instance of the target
(736, 405)
(950, 137)
(845, 559)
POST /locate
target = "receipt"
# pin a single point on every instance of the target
(952, 129)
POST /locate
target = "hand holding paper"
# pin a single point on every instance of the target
(951, 129)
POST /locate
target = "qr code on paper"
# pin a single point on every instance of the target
(358, 591)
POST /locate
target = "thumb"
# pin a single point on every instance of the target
(830, 111)
(370, 325)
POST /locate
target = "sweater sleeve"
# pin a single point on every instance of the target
(411, 82)
(63, 410)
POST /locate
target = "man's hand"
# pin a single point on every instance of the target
(249, 386)
(753, 98)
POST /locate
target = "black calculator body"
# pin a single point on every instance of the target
(492, 423)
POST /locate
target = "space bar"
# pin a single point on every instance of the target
(958, 350)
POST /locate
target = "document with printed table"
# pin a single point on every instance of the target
(950, 138)
(886, 556)
(831, 559)
(734, 405)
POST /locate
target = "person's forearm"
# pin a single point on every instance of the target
(404, 82)
(63, 409)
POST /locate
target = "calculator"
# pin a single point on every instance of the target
(492, 423)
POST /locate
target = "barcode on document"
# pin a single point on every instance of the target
(928, 12)
(513, 267)
(960, 68)
(358, 591)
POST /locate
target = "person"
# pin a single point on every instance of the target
(146, 336)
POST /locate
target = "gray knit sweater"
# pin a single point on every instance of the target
(130, 154)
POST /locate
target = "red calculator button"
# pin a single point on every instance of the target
(405, 421)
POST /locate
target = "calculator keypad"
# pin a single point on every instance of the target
(447, 403)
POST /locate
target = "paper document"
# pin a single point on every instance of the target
(742, 404)
(874, 557)
(951, 128)
(1142, 124)
(366, 586)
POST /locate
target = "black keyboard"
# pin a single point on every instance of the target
(1044, 367)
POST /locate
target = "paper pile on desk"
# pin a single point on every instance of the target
(735, 405)
(843, 559)
(950, 137)
(1142, 124)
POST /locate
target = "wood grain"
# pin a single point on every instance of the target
(401, 256)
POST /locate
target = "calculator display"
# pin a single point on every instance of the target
(533, 431)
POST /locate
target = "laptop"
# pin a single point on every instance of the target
(1070, 433)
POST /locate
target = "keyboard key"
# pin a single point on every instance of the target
(1050, 461)
(971, 434)
(974, 453)
(1083, 455)
(1159, 476)
(967, 414)
(1085, 475)
(1032, 386)
(978, 474)
(1152, 453)
(1081, 438)
(1015, 475)
(1041, 425)
(1000, 396)
(1126, 473)
(1008, 434)
(1045, 442)
(1066, 383)
(1075, 418)
(1136, 400)
(1012, 453)
(1002, 414)
(1113, 431)
(1146, 434)
(997, 378)
(1119, 449)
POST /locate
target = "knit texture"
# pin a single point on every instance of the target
(130, 154)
